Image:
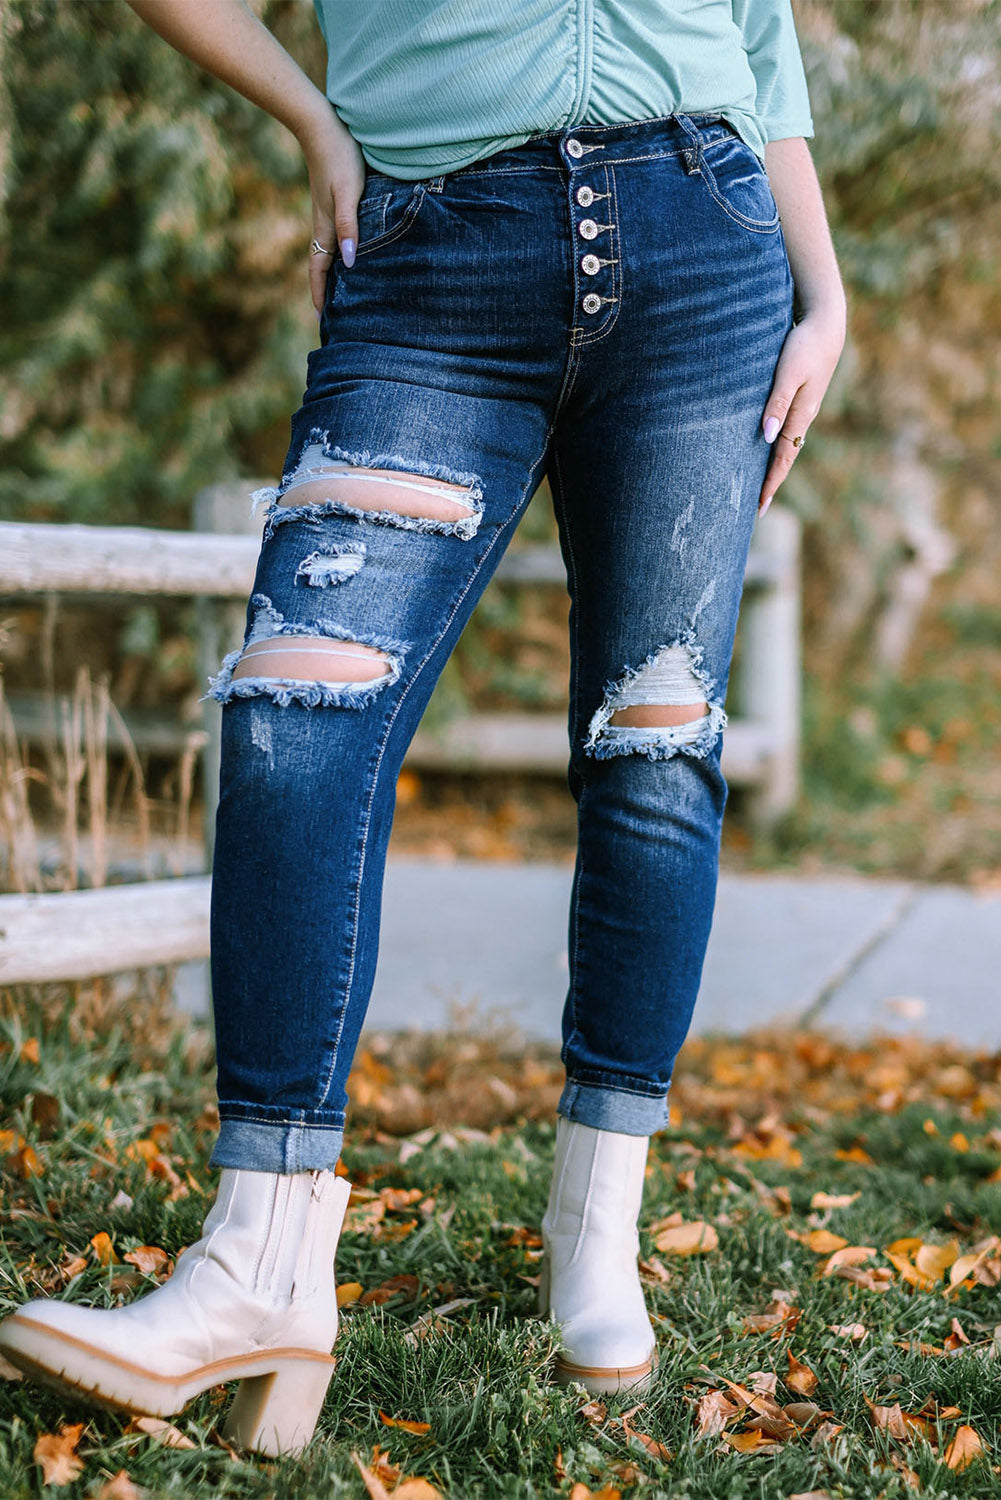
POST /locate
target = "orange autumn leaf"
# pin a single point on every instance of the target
(55, 1453)
(964, 1448)
(834, 1200)
(856, 1154)
(823, 1242)
(397, 1199)
(712, 1413)
(800, 1377)
(119, 1487)
(29, 1050)
(416, 1489)
(848, 1255)
(745, 1441)
(164, 1433)
(911, 1274)
(935, 1260)
(25, 1161)
(405, 1284)
(348, 1292)
(695, 1238)
(104, 1250)
(580, 1491)
(149, 1258)
(408, 1426)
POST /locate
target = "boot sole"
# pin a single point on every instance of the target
(600, 1381)
(280, 1398)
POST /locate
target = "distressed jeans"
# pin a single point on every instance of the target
(605, 305)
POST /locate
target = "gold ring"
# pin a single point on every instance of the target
(317, 249)
(797, 442)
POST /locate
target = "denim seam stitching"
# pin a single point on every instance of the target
(756, 226)
(412, 210)
(281, 1124)
(606, 1088)
(575, 660)
(367, 820)
(617, 258)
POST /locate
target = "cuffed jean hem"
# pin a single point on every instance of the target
(257, 1147)
(612, 1109)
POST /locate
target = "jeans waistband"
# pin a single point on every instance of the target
(584, 145)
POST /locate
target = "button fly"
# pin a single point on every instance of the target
(574, 149)
(587, 229)
(585, 197)
(591, 303)
(590, 265)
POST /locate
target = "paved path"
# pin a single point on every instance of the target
(856, 954)
(848, 954)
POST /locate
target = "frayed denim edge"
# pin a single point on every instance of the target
(651, 742)
(269, 622)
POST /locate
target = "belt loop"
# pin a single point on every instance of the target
(691, 155)
(435, 184)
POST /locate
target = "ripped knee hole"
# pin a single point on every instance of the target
(658, 715)
(312, 659)
(380, 489)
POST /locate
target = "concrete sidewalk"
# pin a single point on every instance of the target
(855, 955)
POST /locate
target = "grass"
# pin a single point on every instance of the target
(104, 1099)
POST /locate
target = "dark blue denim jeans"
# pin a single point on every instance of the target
(605, 305)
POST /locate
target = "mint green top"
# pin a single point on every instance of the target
(428, 86)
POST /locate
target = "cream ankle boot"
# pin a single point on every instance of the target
(253, 1300)
(590, 1281)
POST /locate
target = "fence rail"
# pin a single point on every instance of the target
(79, 934)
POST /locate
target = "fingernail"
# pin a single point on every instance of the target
(348, 252)
(771, 428)
(765, 506)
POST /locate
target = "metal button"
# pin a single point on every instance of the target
(591, 303)
(585, 197)
(587, 229)
(574, 148)
(590, 265)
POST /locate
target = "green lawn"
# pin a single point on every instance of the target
(761, 1125)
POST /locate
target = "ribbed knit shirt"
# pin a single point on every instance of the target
(428, 86)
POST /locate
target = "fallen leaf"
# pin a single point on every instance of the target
(405, 1423)
(800, 1378)
(688, 1239)
(822, 1241)
(348, 1292)
(594, 1412)
(149, 1258)
(164, 1433)
(854, 1331)
(834, 1200)
(964, 1448)
(405, 1284)
(55, 1453)
(29, 1050)
(104, 1250)
(935, 1260)
(848, 1255)
(120, 1487)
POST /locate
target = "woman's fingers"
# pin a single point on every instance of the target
(782, 428)
(336, 178)
(809, 355)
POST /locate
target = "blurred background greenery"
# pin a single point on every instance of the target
(155, 325)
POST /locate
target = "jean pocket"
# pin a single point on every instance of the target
(737, 181)
(387, 209)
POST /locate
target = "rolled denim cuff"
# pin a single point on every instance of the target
(260, 1147)
(613, 1109)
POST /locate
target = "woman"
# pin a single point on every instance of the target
(541, 244)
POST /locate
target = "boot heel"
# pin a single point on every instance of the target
(276, 1414)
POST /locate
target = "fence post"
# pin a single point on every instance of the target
(770, 663)
(222, 508)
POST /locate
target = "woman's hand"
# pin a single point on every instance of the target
(809, 357)
(336, 179)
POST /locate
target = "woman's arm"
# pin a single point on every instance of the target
(227, 39)
(813, 346)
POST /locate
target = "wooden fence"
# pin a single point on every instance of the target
(81, 934)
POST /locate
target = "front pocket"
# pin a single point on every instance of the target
(738, 182)
(385, 216)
